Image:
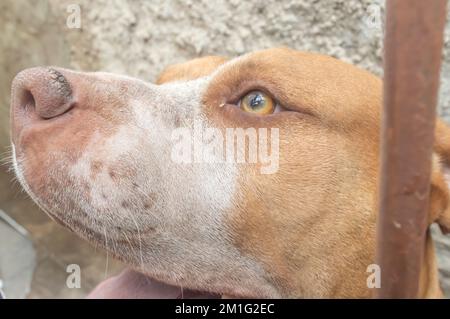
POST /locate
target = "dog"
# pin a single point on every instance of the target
(95, 152)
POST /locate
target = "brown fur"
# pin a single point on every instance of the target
(316, 231)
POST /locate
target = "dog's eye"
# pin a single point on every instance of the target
(257, 102)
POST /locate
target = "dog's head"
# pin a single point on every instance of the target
(253, 177)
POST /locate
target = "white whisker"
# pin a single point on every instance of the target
(107, 255)
(140, 240)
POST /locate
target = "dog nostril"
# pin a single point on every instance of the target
(27, 101)
(44, 91)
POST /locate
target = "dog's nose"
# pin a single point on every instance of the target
(45, 92)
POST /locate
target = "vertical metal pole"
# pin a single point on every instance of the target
(413, 48)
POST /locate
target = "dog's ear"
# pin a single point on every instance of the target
(190, 70)
(440, 178)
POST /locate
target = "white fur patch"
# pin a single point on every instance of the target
(186, 205)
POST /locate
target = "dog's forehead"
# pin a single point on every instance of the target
(337, 93)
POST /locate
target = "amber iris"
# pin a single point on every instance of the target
(257, 102)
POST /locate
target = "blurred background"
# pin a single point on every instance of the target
(139, 38)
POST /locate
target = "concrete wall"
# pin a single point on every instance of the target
(139, 37)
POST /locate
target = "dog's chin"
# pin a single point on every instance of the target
(130, 284)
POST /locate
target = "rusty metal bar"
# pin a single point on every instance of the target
(413, 48)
